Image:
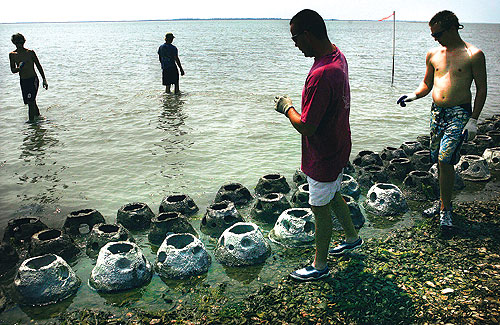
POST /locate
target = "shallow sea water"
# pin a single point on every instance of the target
(111, 136)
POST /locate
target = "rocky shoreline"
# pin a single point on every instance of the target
(407, 276)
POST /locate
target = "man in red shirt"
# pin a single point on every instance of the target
(326, 137)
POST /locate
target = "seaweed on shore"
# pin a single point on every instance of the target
(409, 276)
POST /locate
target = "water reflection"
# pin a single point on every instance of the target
(244, 275)
(172, 116)
(38, 167)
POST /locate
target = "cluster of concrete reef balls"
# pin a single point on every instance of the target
(40, 255)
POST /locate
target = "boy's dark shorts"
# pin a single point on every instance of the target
(170, 76)
(29, 88)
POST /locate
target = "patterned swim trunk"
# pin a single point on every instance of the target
(447, 124)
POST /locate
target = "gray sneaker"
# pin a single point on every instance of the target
(445, 220)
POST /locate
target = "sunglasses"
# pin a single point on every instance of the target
(294, 37)
(438, 34)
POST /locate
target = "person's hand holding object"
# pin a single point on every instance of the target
(282, 104)
(471, 128)
(406, 99)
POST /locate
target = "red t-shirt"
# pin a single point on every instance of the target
(326, 101)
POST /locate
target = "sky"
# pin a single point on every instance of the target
(471, 11)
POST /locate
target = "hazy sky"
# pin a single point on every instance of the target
(485, 11)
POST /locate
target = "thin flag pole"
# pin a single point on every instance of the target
(393, 45)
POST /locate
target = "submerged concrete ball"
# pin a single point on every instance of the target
(299, 177)
(268, 208)
(492, 157)
(421, 160)
(20, 230)
(242, 244)
(167, 223)
(102, 234)
(53, 241)
(181, 256)
(385, 200)
(219, 217)
(399, 168)
(45, 279)
(272, 183)
(300, 198)
(294, 228)
(367, 158)
(135, 216)
(420, 185)
(473, 168)
(234, 192)
(390, 153)
(81, 222)
(120, 266)
(181, 203)
(371, 174)
(410, 147)
(350, 187)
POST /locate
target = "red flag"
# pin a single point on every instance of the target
(387, 17)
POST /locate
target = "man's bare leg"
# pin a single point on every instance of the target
(33, 111)
(323, 234)
(343, 214)
(446, 182)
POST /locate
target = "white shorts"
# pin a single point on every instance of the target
(321, 193)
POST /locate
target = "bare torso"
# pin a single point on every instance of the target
(28, 57)
(453, 74)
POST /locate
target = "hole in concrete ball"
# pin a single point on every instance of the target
(246, 242)
(123, 263)
(373, 197)
(49, 234)
(95, 246)
(63, 272)
(297, 213)
(120, 248)
(271, 196)
(241, 229)
(196, 250)
(179, 241)
(231, 187)
(272, 176)
(219, 206)
(162, 257)
(231, 247)
(229, 219)
(309, 226)
(133, 207)
(108, 229)
(166, 216)
(41, 261)
(176, 198)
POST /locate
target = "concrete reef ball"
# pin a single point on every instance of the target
(299, 177)
(421, 160)
(358, 219)
(350, 187)
(410, 147)
(102, 234)
(371, 174)
(268, 208)
(398, 168)
(20, 230)
(300, 198)
(294, 228)
(135, 216)
(492, 157)
(120, 266)
(45, 279)
(389, 153)
(242, 244)
(272, 183)
(219, 217)
(168, 223)
(473, 168)
(53, 241)
(420, 185)
(181, 203)
(181, 256)
(81, 222)
(385, 200)
(234, 192)
(367, 158)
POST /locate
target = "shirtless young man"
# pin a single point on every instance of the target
(451, 68)
(23, 60)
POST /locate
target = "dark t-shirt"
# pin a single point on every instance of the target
(167, 53)
(326, 104)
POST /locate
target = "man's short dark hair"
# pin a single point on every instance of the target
(18, 38)
(311, 21)
(447, 19)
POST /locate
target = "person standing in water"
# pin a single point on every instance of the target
(23, 61)
(450, 70)
(326, 137)
(169, 59)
